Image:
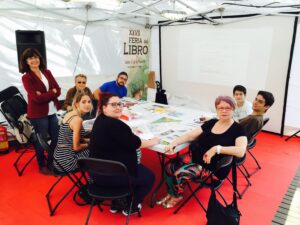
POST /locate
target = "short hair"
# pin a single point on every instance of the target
(104, 99)
(240, 88)
(80, 75)
(123, 73)
(268, 96)
(226, 99)
(28, 53)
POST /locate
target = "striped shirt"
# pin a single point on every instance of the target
(64, 155)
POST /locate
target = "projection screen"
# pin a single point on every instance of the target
(204, 61)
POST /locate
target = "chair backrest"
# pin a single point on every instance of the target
(252, 141)
(265, 121)
(103, 167)
(12, 105)
(43, 143)
(223, 167)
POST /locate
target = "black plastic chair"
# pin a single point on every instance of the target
(100, 194)
(251, 145)
(71, 175)
(12, 106)
(240, 161)
(215, 183)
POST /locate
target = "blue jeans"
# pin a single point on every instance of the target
(44, 126)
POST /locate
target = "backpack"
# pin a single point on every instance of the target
(24, 130)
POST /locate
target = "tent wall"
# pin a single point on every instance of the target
(208, 61)
(94, 49)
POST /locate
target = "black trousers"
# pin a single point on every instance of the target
(142, 183)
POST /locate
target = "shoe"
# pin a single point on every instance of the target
(164, 199)
(172, 202)
(45, 171)
(115, 207)
(134, 210)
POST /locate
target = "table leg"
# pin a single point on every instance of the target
(161, 158)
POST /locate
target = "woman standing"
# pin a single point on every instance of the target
(210, 143)
(72, 143)
(42, 92)
(112, 139)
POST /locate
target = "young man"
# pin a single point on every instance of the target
(116, 86)
(254, 122)
(80, 85)
(244, 107)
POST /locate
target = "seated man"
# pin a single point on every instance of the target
(116, 86)
(80, 85)
(254, 122)
(244, 107)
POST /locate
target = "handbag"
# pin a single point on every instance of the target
(160, 96)
(217, 214)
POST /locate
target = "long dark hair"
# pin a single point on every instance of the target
(104, 99)
(28, 53)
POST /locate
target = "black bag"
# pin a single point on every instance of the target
(82, 197)
(160, 96)
(217, 214)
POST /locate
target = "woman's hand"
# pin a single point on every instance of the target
(169, 149)
(209, 154)
(54, 90)
(155, 140)
(38, 93)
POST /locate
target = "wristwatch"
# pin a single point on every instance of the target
(219, 148)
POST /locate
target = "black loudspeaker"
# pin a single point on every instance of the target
(30, 39)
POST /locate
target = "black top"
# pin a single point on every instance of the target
(207, 139)
(112, 139)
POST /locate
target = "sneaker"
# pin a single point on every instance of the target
(134, 210)
(117, 205)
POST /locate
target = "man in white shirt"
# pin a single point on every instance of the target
(244, 107)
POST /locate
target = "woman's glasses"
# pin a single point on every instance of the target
(81, 82)
(116, 104)
(224, 108)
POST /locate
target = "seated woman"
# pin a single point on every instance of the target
(71, 143)
(212, 141)
(112, 139)
(80, 85)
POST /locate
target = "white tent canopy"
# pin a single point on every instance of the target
(87, 36)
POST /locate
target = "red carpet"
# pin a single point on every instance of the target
(23, 201)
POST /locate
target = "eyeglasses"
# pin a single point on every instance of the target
(115, 104)
(81, 82)
(224, 108)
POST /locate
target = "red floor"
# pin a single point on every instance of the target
(23, 201)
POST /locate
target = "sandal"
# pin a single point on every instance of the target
(173, 201)
(164, 199)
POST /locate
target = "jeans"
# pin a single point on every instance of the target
(142, 183)
(44, 126)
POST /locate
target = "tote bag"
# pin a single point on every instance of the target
(217, 214)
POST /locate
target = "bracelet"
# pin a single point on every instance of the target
(219, 148)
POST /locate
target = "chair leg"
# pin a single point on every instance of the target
(128, 216)
(53, 209)
(240, 194)
(21, 170)
(187, 199)
(246, 171)
(90, 211)
(257, 163)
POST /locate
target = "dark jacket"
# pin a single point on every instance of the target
(38, 105)
(112, 139)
